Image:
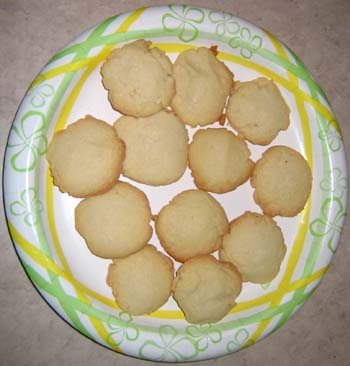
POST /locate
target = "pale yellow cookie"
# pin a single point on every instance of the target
(156, 148)
(219, 160)
(86, 158)
(141, 282)
(255, 245)
(202, 85)
(282, 180)
(205, 289)
(138, 79)
(116, 223)
(257, 110)
(192, 224)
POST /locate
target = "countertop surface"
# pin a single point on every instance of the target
(31, 31)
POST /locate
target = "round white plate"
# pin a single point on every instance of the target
(41, 220)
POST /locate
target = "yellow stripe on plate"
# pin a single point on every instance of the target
(296, 285)
(77, 65)
(131, 18)
(304, 220)
(36, 254)
(305, 125)
(171, 48)
(177, 47)
(246, 305)
(61, 122)
(45, 262)
(290, 84)
(72, 66)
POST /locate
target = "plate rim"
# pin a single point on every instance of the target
(6, 169)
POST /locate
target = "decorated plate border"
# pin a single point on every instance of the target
(50, 99)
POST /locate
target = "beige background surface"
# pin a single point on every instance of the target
(30, 33)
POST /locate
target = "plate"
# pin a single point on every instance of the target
(41, 219)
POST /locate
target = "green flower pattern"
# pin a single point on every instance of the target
(29, 206)
(184, 20)
(127, 330)
(224, 23)
(329, 227)
(239, 340)
(40, 94)
(335, 182)
(172, 346)
(331, 136)
(28, 141)
(248, 43)
(241, 37)
(204, 335)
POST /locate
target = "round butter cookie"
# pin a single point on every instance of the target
(141, 282)
(116, 223)
(156, 148)
(257, 110)
(219, 160)
(86, 158)
(282, 180)
(203, 84)
(138, 79)
(205, 289)
(255, 245)
(192, 224)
